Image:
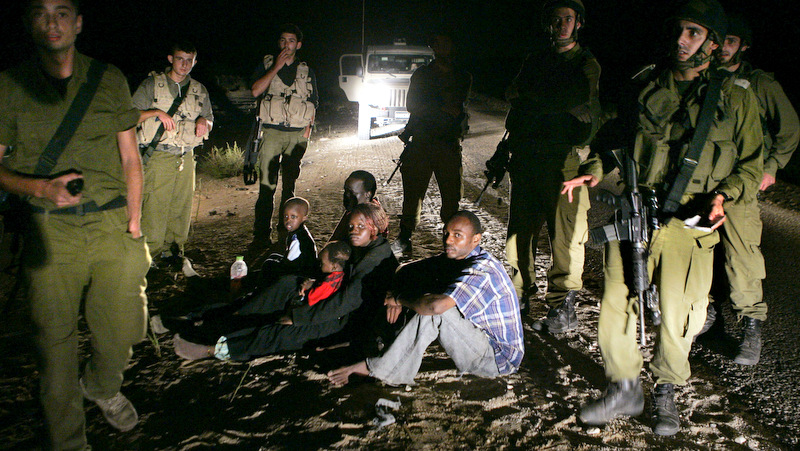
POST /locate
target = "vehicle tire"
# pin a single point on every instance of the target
(364, 121)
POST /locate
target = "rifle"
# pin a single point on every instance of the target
(405, 136)
(250, 169)
(496, 167)
(631, 223)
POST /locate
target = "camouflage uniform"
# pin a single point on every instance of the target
(741, 237)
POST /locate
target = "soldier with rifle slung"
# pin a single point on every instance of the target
(554, 106)
(287, 90)
(436, 100)
(698, 147)
(175, 117)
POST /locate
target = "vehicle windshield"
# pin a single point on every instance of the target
(396, 64)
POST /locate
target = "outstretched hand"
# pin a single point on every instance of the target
(580, 180)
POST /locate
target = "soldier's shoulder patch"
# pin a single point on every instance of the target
(742, 83)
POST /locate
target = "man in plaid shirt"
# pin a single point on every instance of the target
(464, 298)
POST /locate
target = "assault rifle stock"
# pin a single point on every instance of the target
(632, 220)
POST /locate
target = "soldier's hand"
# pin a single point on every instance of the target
(580, 180)
(134, 228)
(717, 215)
(766, 181)
(201, 127)
(166, 119)
(582, 112)
(56, 191)
(282, 59)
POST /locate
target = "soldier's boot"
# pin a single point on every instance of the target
(561, 318)
(525, 301)
(402, 245)
(750, 349)
(666, 420)
(621, 398)
(711, 317)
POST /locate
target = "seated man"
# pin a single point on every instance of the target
(475, 317)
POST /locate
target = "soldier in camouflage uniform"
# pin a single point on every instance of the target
(741, 235)
(554, 105)
(681, 256)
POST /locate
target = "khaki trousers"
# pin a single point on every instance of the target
(66, 255)
(681, 264)
(167, 200)
(744, 263)
(426, 158)
(536, 200)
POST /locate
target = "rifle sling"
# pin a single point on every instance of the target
(147, 152)
(692, 157)
(66, 130)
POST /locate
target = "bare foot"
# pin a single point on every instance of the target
(191, 351)
(340, 377)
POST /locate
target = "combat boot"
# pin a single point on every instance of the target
(711, 317)
(750, 349)
(621, 398)
(666, 420)
(559, 319)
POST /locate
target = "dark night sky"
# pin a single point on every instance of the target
(233, 35)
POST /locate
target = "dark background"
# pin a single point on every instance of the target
(493, 36)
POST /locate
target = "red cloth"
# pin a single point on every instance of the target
(323, 289)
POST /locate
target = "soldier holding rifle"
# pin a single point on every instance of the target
(698, 146)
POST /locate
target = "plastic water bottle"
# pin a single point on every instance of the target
(238, 271)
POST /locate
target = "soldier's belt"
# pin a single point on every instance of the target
(82, 209)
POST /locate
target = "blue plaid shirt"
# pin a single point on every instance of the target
(486, 297)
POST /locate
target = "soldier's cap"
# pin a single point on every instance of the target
(708, 13)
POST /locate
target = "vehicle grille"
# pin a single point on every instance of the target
(397, 98)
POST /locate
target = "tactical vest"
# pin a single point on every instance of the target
(659, 107)
(288, 106)
(183, 135)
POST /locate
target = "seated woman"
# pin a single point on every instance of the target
(289, 329)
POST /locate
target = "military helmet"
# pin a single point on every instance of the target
(708, 13)
(576, 5)
(738, 26)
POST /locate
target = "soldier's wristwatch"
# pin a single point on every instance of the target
(724, 195)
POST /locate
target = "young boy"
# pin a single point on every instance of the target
(332, 259)
(300, 257)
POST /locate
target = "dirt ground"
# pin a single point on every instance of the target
(285, 401)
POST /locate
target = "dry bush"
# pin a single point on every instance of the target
(223, 162)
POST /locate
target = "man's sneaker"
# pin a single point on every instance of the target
(750, 349)
(401, 246)
(559, 319)
(621, 398)
(666, 420)
(118, 410)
